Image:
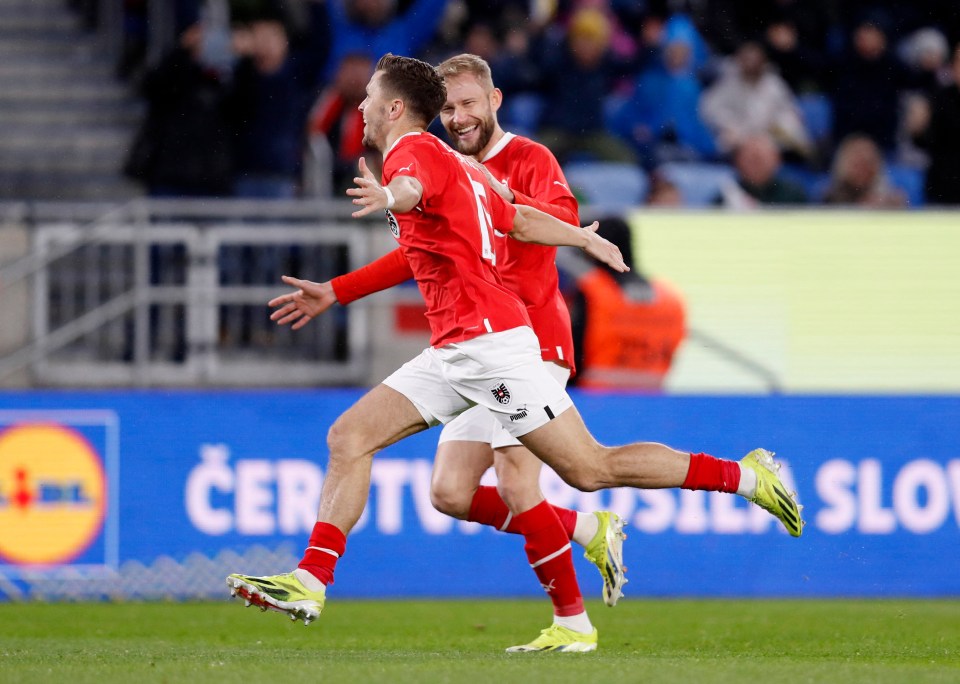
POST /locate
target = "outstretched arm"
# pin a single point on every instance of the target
(533, 225)
(312, 299)
(308, 301)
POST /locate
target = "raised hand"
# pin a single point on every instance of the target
(309, 300)
(368, 194)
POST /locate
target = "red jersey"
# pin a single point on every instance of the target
(447, 239)
(534, 176)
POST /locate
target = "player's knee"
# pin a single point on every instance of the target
(518, 493)
(449, 500)
(582, 477)
(343, 441)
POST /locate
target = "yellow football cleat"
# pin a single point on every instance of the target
(771, 495)
(282, 593)
(605, 551)
(557, 638)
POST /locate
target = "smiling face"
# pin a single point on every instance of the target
(374, 110)
(470, 114)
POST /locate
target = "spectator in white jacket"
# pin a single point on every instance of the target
(750, 97)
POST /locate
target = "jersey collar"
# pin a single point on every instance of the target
(496, 149)
(390, 149)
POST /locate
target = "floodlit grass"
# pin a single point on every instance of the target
(463, 641)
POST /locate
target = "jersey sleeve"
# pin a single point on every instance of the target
(547, 188)
(502, 212)
(382, 274)
(416, 161)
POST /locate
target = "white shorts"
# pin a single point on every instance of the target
(501, 371)
(477, 424)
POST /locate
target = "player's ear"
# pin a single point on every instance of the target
(496, 99)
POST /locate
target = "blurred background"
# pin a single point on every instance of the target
(787, 174)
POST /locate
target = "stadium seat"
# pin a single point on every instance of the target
(817, 112)
(910, 180)
(699, 183)
(611, 185)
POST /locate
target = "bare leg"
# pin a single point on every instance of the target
(457, 470)
(380, 418)
(518, 478)
(566, 446)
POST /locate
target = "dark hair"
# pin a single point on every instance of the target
(417, 83)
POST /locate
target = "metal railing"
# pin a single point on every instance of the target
(174, 292)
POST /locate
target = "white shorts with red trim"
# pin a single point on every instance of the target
(501, 372)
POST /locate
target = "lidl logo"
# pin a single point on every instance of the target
(53, 494)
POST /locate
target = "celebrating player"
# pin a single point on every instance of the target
(474, 440)
(483, 350)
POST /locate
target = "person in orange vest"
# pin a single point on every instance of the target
(626, 326)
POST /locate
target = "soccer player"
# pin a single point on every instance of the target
(475, 440)
(483, 351)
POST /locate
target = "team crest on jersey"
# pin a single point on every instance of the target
(501, 393)
(392, 222)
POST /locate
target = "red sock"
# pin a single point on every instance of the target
(548, 550)
(327, 544)
(488, 508)
(568, 519)
(712, 474)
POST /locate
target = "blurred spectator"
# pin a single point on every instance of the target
(660, 117)
(859, 178)
(941, 139)
(577, 79)
(799, 63)
(184, 145)
(663, 193)
(750, 98)
(269, 101)
(867, 85)
(335, 126)
(758, 163)
(927, 55)
(375, 27)
(626, 326)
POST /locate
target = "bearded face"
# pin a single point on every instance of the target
(468, 115)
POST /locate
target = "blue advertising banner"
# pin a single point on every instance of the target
(161, 493)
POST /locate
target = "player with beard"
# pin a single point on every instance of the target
(431, 220)
(522, 172)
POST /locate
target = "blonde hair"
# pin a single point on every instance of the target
(467, 64)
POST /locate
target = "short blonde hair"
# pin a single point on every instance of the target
(467, 64)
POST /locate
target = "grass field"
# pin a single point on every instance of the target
(463, 641)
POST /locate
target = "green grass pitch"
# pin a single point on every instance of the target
(674, 641)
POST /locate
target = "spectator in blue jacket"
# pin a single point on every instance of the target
(374, 27)
(660, 116)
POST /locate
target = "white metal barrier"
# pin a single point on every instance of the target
(160, 292)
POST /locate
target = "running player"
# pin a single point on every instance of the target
(483, 351)
(525, 172)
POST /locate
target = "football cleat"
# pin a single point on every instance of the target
(557, 638)
(771, 495)
(281, 593)
(605, 551)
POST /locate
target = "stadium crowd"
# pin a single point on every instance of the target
(735, 103)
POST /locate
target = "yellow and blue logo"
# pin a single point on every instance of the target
(53, 494)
